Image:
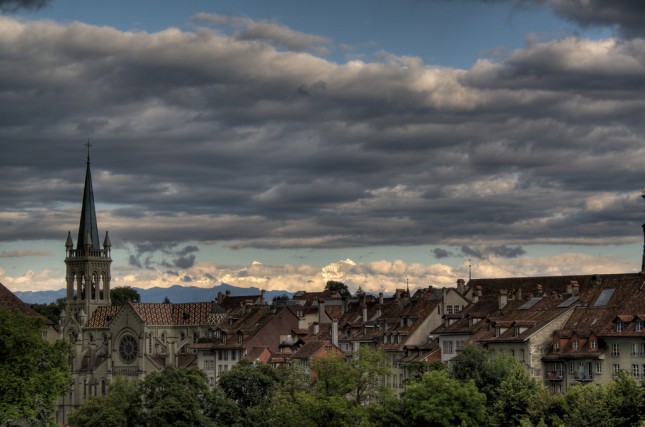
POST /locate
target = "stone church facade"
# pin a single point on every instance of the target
(132, 340)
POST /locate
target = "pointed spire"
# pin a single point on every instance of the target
(88, 226)
(69, 244)
(106, 242)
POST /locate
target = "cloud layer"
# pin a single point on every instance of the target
(254, 139)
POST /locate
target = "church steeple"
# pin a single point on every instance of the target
(88, 232)
(88, 265)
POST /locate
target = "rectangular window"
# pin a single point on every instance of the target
(522, 357)
(635, 371)
(556, 345)
(639, 325)
(449, 309)
(593, 344)
(619, 326)
(634, 349)
(576, 345)
(615, 367)
(571, 368)
(401, 380)
(599, 367)
(225, 354)
(615, 349)
(233, 354)
(447, 347)
(457, 308)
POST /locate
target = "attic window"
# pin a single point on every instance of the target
(639, 325)
(619, 326)
(556, 345)
(240, 337)
(497, 331)
(575, 345)
(593, 344)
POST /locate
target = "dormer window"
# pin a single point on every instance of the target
(575, 345)
(619, 326)
(639, 325)
(240, 337)
(593, 344)
(516, 331)
(556, 345)
(497, 331)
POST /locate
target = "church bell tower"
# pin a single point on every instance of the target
(87, 265)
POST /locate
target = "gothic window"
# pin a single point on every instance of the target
(128, 348)
(73, 335)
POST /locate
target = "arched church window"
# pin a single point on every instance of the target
(93, 285)
(82, 282)
(72, 335)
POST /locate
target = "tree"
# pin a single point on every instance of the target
(166, 300)
(123, 295)
(368, 366)
(625, 400)
(120, 407)
(33, 373)
(52, 310)
(248, 384)
(177, 397)
(439, 400)
(487, 372)
(515, 397)
(338, 287)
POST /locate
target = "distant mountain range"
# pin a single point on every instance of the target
(176, 294)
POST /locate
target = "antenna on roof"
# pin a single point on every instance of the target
(643, 262)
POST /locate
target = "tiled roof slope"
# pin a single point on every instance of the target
(9, 301)
(195, 313)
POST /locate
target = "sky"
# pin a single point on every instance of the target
(282, 144)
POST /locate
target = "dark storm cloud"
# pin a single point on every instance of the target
(626, 15)
(201, 137)
(15, 5)
(484, 252)
(441, 253)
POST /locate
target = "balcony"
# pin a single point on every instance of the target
(554, 376)
(584, 378)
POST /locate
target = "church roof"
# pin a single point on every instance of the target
(193, 313)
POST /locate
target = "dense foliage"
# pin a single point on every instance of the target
(334, 390)
(33, 373)
(124, 294)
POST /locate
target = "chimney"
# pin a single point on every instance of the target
(539, 289)
(519, 294)
(334, 332)
(502, 298)
(321, 311)
(477, 292)
(575, 289)
(220, 297)
(461, 286)
(597, 281)
(345, 304)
